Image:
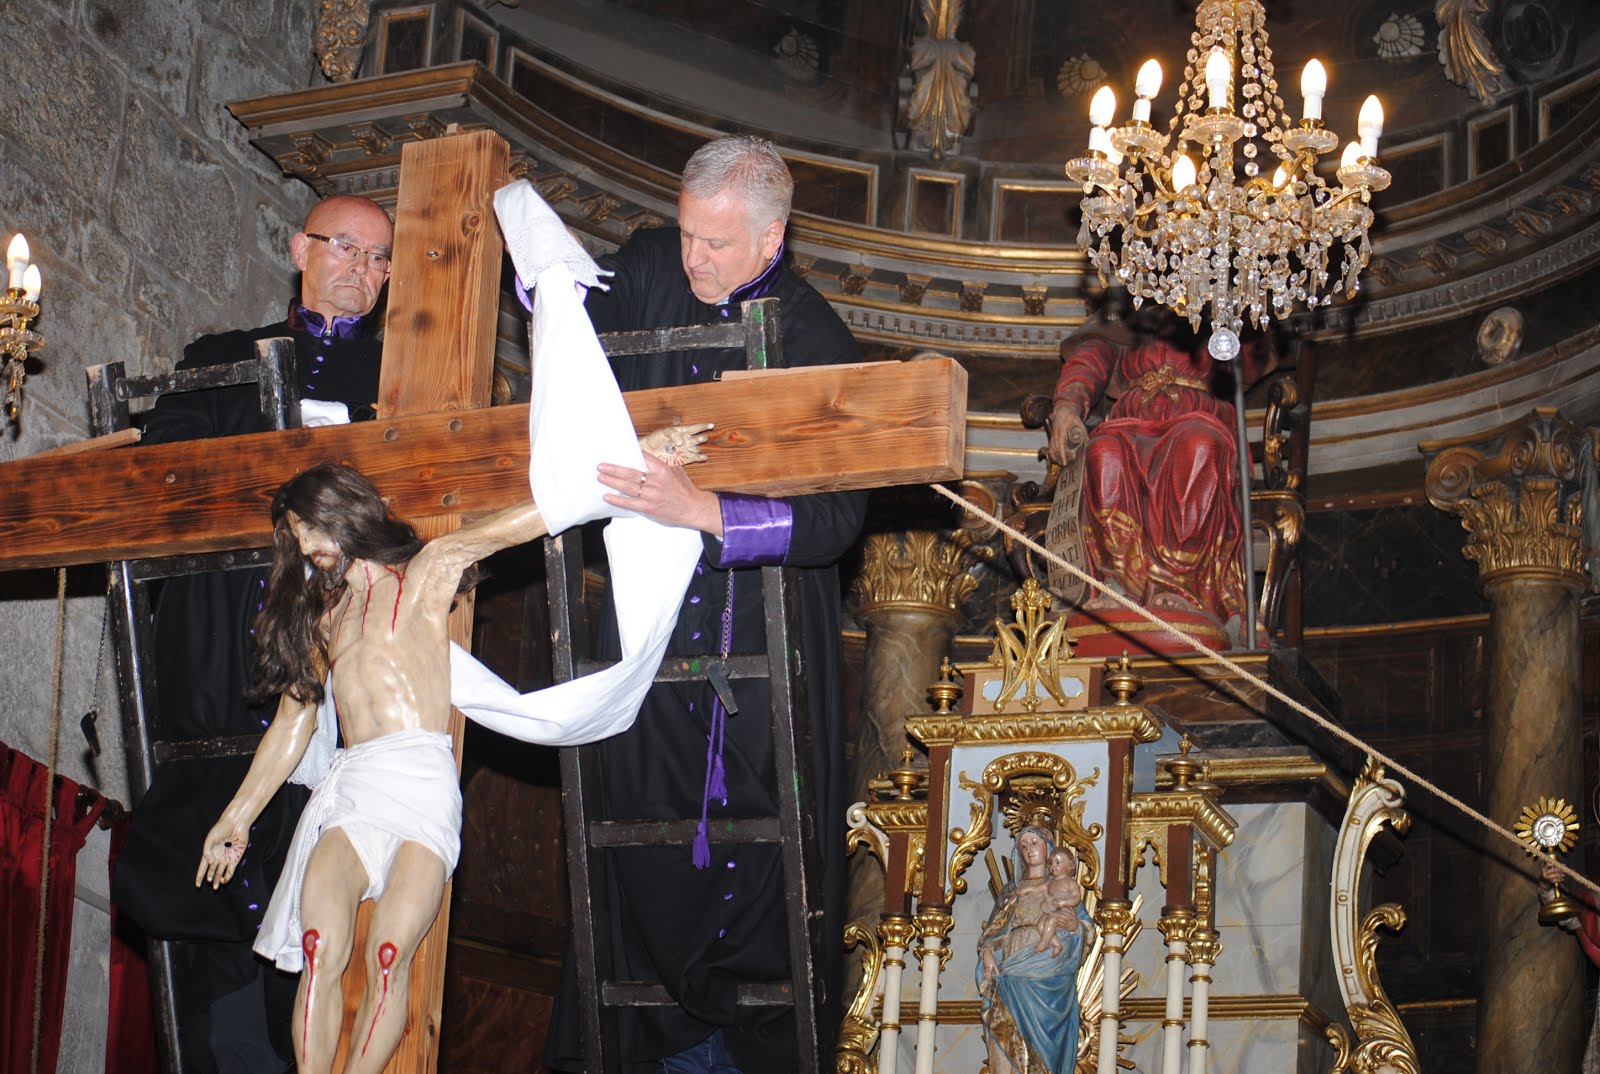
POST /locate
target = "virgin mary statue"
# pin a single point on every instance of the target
(1028, 958)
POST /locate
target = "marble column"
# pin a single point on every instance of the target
(911, 587)
(1517, 491)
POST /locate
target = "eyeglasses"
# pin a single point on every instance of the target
(349, 251)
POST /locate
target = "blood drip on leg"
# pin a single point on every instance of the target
(387, 953)
(308, 944)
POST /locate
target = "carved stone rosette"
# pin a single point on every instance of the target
(1517, 492)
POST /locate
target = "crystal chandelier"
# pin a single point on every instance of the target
(1194, 227)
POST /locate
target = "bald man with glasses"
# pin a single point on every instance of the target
(234, 1009)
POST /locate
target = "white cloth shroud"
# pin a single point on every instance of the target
(576, 420)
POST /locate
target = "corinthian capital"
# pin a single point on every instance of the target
(1518, 490)
(918, 567)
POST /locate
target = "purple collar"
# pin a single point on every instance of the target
(313, 323)
(762, 285)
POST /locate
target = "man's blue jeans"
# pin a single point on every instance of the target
(710, 1056)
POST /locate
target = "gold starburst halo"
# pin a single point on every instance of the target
(1549, 825)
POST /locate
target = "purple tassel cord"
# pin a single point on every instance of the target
(716, 784)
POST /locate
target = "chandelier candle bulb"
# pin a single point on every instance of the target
(1313, 85)
(1369, 125)
(1183, 173)
(16, 261)
(1219, 73)
(32, 283)
(1351, 155)
(1145, 86)
(1102, 107)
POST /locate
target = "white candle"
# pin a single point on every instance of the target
(1145, 86)
(1219, 72)
(16, 261)
(1313, 85)
(1183, 173)
(31, 283)
(1369, 124)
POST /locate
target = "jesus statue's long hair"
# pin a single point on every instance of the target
(291, 647)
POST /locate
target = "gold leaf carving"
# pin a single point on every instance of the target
(340, 37)
(1031, 650)
(920, 567)
(1517, 495)
(1469, 59)
(858, 1030)
(940, 108)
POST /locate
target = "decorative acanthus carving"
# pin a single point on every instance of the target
(340, 37)
(940, 106)
(857, 1031)
(1517, 492)
(918, 567)
(1464, 50)
(1381, 1041)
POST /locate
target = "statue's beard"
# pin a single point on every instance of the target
(333, 577)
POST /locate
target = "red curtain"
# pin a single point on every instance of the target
(22, 797)
(130, 1024)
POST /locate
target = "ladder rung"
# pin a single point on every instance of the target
(661, 833)
(648, 994)
(685, 669)
(193, 749)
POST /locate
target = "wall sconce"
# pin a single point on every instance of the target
(18, 307)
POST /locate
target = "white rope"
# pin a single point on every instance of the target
(1317, 718)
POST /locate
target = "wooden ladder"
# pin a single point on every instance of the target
(589, 836)
(110, 391)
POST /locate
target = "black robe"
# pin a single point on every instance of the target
(702, 932)
(202, 657)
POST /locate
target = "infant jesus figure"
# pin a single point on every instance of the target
(356, 599)
(1063, 894)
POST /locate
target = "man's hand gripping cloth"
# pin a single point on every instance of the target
(577, 420)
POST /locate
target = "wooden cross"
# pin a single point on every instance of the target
(439, 453)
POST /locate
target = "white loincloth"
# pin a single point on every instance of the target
(395, 789)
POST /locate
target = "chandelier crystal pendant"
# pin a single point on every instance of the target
(1202, 225)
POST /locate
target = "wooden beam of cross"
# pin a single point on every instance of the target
(439, 452)
(866, 426)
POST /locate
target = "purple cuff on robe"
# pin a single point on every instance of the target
(755, 530)
(525, 293)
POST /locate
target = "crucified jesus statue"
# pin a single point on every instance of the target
(358, 601)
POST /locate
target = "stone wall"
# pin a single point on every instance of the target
(153, 220)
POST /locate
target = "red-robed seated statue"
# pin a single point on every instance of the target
(1160, 513)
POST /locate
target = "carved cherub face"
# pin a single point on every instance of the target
(1063, 862)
